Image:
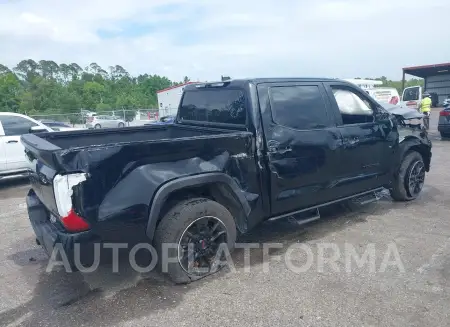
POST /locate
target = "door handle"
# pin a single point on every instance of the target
(274, 147)
(12, 141)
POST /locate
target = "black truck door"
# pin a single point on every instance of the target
(368, 139)
(302, 144)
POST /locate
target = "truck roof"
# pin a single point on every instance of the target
(243, 82)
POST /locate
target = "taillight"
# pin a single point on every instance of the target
(394, 100)
(444, 113)
(63, 189)
(74, 223)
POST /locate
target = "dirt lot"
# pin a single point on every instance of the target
(417, 296)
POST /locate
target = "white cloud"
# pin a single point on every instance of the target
(332, 38)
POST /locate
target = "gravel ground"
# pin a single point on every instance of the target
(418, 295)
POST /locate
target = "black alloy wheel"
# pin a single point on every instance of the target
(199, 245)
(416, 178)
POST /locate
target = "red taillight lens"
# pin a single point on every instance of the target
(444, 113)
(394, 100)
(74, 223)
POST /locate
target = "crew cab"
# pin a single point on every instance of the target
(238, 153)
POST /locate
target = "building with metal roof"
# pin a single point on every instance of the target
(436, 78)
(169, 99)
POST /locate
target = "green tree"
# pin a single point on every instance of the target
(103, 106)
(92, 94)
(4, 69)
(9, 92)
(27, 70)
(26, 105)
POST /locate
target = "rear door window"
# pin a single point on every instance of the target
(225, 106)
(298, 106)
(411, 94)
(15, 125)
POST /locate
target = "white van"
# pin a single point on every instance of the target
(385, 94)
(412, 96)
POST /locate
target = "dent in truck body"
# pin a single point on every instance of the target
(123, 179)
(268, 170)
(414, 138)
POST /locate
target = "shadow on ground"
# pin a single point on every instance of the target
(105, 299)
(13, 187)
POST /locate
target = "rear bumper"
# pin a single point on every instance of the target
(51, 235)
(444, 128)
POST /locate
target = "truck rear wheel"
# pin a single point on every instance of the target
(410, 179)
(193, 239)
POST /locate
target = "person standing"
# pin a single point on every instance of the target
(425, 108)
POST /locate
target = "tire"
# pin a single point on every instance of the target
(178, 223)
(97, 126)
(401, 190)
(444, 135)
(121, 125)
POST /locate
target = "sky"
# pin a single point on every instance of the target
(239, 38)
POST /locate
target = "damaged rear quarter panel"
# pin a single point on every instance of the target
(123, 178)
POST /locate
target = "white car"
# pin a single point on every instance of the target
(12, 155)
(103, 121)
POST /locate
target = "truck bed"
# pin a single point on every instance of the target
(81, 150)
(86, 138)
(109, 155)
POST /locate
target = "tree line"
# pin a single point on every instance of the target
(397, 84)
(46, 87)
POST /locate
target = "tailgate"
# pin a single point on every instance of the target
(42, 168)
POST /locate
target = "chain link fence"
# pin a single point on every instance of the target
(78, 119)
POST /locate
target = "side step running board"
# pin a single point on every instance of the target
(300, 219)
(367, 198)
(361, 199)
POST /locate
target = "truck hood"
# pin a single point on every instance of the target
(403, 111)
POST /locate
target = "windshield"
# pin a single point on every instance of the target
(225, 106)
(411, 94)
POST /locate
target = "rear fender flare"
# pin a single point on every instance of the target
(166, 189)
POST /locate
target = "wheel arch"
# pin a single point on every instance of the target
(215, 186)
(415, 144)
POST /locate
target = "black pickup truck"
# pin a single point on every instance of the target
(238, 153)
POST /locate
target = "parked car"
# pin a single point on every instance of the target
(444, 122)
(239, 152)
(12, 155)
(102, 121)
(163, 121)
(58, 126)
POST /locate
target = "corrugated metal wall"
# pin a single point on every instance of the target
(439, 84)
(169, 100)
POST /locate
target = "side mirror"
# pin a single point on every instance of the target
(37, 129)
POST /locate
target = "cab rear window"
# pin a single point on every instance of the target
(224, 106)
